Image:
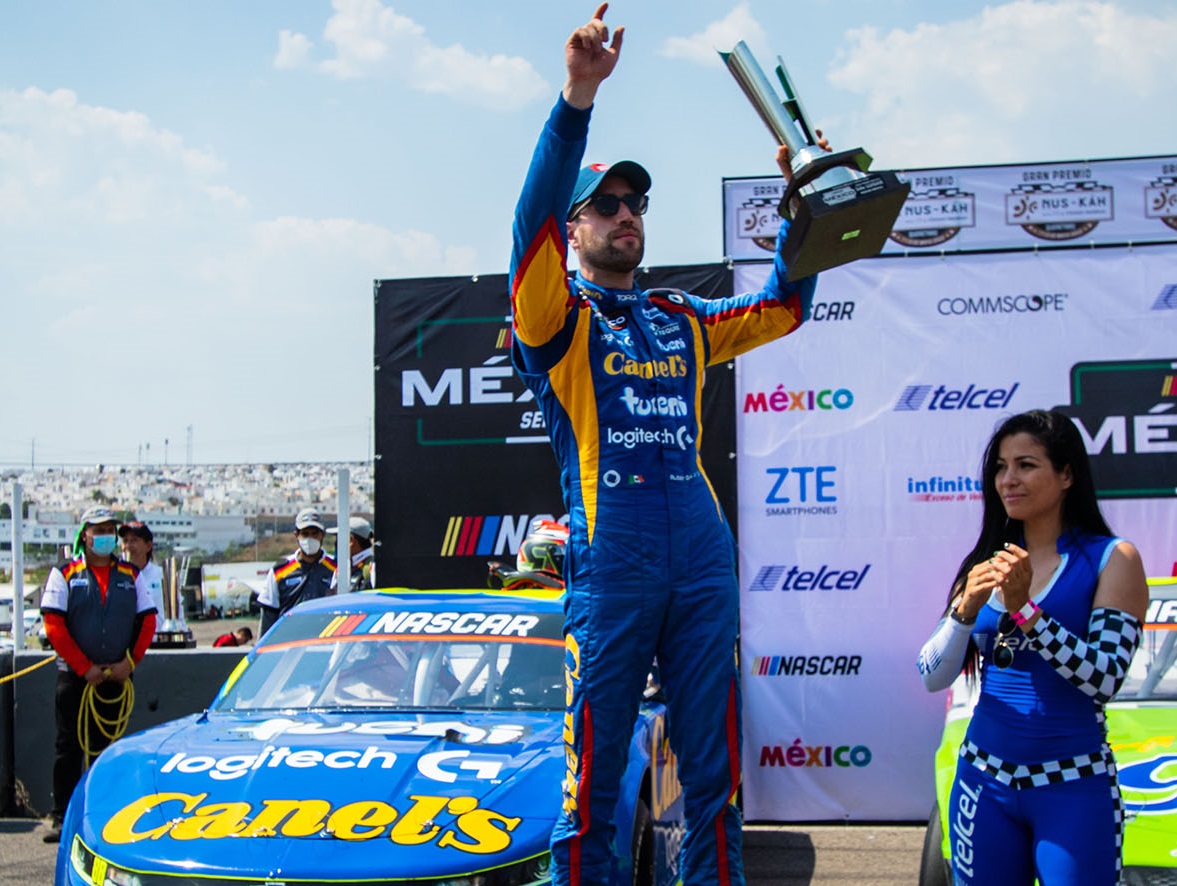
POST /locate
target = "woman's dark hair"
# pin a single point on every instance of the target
(1064, 447)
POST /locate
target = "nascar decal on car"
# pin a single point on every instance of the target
(197, 817)
(495, 624)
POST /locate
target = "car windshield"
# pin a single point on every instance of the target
(411, 659)
(1153, 673)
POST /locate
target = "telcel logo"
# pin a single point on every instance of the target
(914, 397)
(794, 578)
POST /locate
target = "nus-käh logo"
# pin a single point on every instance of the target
(1127, 414)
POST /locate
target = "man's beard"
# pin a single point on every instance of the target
(605, 256)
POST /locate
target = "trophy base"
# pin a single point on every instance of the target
(843, 223)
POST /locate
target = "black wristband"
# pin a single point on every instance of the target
(959, 619)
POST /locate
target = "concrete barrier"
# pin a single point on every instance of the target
(169, 683)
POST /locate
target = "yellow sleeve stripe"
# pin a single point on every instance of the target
(572, 383)
(540, 300)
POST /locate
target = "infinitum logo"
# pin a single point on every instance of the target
(938, 488)
(915, 398)
(491, 535)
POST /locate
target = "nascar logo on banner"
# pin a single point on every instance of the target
(860, 442)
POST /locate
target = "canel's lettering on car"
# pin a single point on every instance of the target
(572, 762)
(664, 785)
(193, 817)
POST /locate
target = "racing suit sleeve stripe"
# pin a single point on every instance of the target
(572, 383)
(539, 258)
(542, 275)
(736, 325)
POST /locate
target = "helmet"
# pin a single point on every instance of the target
(543, 549)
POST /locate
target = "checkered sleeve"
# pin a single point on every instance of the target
(1095, 666)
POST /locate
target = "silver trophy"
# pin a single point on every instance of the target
(839, 211)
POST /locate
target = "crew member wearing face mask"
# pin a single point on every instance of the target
(100, 618)
(306, 574)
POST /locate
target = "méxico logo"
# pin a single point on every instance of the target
(482, 402)
(1127, 414)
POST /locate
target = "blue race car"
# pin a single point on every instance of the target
(391, 737)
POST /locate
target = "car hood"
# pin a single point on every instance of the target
(394, 794)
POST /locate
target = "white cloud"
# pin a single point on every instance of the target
(372, 40)
(703, 48)
(57, 153)
(991, 88)
(124, 245)
(294, 50)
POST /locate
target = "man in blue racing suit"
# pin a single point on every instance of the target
(650, 564)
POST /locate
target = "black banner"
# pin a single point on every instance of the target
(1124, 410)
(463, 463)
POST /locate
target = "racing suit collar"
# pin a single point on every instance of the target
(605, 298)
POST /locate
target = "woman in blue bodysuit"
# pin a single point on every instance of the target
(1048, 607)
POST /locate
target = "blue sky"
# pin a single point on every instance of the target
(196, 197)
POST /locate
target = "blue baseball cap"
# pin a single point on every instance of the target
(591, 176)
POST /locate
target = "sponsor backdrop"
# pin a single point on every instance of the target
(858, 443)
(463, 463)
(859, 450)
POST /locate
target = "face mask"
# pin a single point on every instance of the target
(310, 546)
(103, 545)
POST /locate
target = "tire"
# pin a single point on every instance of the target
(643, 845)
(934, 867)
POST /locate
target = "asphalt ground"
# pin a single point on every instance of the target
(825, 855)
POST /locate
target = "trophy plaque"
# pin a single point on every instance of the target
(838, 211)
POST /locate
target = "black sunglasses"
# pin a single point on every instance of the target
(608, 205)
(1003, 650)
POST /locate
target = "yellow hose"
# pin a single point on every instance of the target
(111, 728)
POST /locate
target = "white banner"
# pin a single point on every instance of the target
(970, 208)
(859, 444)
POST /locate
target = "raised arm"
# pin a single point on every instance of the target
(590, 58)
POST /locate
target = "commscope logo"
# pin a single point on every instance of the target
(782, 400)
(1022, 303)
(798, 755)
